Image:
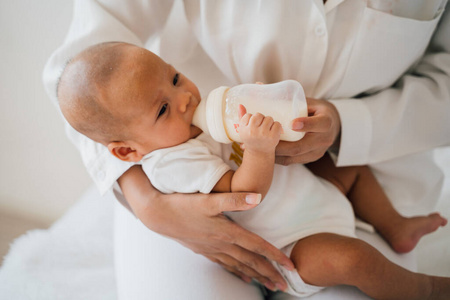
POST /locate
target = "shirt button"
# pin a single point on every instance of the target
(319, 31)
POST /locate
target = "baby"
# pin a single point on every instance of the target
(141, 109)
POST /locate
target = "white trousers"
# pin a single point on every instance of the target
(149, 266)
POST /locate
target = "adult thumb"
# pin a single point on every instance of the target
(223, 202)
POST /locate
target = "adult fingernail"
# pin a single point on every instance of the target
(297, 125)
(289, 267)
(253, 198)
(280, 286)
(270, 286)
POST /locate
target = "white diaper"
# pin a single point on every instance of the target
(296, 286)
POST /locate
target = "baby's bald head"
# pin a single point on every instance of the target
(85, 96)
(128, 99)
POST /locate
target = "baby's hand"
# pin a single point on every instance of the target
(258, 133)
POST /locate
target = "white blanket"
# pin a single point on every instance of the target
(74, 258)
(434, 249)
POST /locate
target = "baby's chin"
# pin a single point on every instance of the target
(195, 131)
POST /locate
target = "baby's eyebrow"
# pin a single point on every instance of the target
(170, 69)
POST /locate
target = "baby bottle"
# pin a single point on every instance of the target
(217, 115)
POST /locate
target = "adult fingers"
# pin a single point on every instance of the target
(236, 272)
(227, 265)
(309, 149)
(319, 123)
(258, 267)
(244, 272)
(255, 244)
(312, 142)
(253, 251)
(220, 202)
(303, 146)
(250, 253)
(299, 159)
(267, 283)
(237, 267)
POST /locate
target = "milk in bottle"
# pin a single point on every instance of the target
(283, 101)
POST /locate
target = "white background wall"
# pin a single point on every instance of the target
(41, 173)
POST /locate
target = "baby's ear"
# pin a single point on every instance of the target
(124, 152)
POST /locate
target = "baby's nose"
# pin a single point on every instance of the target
(185, 99)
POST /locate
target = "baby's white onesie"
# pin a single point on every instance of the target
(298, 204)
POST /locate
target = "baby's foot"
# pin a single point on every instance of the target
(411, 230)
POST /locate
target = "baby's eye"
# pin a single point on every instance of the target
(163, 110)
(175, 79)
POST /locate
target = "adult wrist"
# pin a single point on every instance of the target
(140, 195)
(355, 134)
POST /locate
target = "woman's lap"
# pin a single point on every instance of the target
(150, 266)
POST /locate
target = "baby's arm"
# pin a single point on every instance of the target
(260, 136)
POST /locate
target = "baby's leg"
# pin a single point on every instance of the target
(329, 260)
(372, 205)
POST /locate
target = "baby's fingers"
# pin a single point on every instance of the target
(241, 111)
(245, 119)
(256, 120)
(277, 128)
(272, 126)
(267, 122)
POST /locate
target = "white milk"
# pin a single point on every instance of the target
(281, 111)
(283, 101)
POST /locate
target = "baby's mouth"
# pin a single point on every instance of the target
(195, 103)
(193, 106)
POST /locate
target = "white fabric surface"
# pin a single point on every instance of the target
(339, 63)
(298, 204)
(192, 167)
(289, 212)
(346, 56)
(296, 285)
(135, 247)
(74, 258)
(71, 260)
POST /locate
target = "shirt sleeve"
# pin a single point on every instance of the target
(187, 168)
(410, 117)
(95, 22)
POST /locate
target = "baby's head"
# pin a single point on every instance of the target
(128, 99)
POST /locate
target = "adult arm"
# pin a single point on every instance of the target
(409, 117)
(205, 231)
(197, 222)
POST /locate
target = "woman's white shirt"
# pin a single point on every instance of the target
(372, 59)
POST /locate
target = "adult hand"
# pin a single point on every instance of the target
(197, 221)
(322, 128)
